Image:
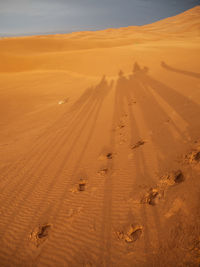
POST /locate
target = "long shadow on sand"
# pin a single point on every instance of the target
(85, 114)
(171, 120)
(158, 104)
(184, 72)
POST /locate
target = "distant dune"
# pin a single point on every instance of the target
(100, 146)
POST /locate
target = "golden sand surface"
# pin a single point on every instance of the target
(100, 147)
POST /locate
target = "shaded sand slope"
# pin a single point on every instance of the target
(100, 147)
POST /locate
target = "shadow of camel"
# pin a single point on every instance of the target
(184, 72)
(63, 142)
(124, 94)
(158, 104)
(171, 117)
(187, 110)
(157, 98)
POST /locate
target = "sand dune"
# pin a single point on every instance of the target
(100, 147)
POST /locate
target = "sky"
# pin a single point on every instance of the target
(29, 17)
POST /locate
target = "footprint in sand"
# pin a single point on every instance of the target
(175, 177)
(103, 171)
(152, 197)
(132, 101)
(108, 155)
(120, 126)
(132, 235)
(193, 157)
(197, 156)
(138, 144)
(40, 234)
(155, 194)
(178, 177)
(81, 186)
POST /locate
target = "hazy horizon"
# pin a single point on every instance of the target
(28, 17)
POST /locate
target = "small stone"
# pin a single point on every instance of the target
(103, 171)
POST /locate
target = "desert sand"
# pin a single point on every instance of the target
(100, 147)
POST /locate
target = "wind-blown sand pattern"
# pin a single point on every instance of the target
(100, 147)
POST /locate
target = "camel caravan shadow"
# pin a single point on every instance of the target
(85, 114)
(159, 105)
(168, 119)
